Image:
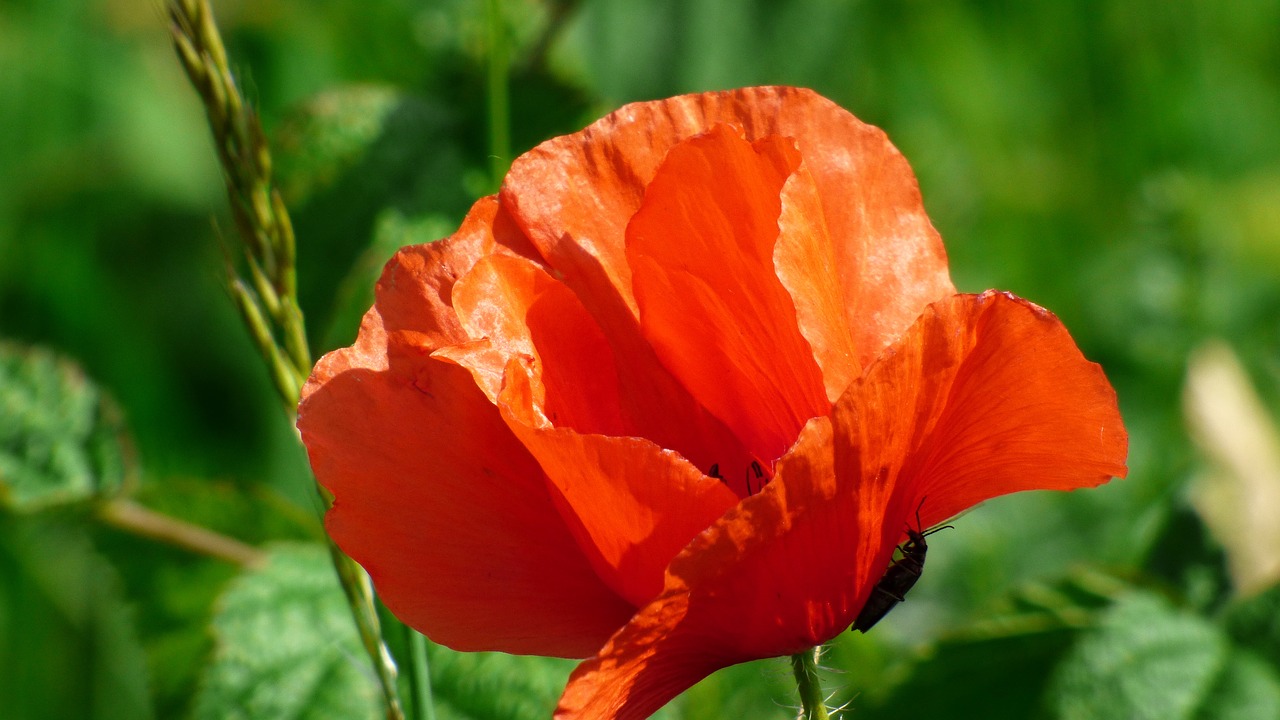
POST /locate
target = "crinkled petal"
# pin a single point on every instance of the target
(520, 311)
(658, 655)
(805, 260)
(986, 395)
(889, 258)
(574, 195)
(447, 511)
(630, 504)
(784, 571)
(701, 252)
(413, 294)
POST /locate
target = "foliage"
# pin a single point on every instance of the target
(285, 646)
(1114, 161)
(62, 441)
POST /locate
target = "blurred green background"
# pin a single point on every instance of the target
(1117, 162)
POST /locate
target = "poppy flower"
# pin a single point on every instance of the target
(670, 399)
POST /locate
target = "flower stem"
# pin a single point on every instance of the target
(805, 667)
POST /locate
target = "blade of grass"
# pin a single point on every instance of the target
(420, 676)
(268, 301)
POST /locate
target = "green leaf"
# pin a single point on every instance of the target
(997, 667)
(1248, 688)
(495, 686)
(997, 676)
(760, 689)
(1254, 623)
(286, 646)
(1145, 659)
(62, 440)
(69, 645)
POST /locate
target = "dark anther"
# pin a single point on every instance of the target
(715, 472)
(759, 471)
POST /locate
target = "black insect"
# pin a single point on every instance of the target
(898, 579)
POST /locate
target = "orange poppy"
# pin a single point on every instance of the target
(671, 398)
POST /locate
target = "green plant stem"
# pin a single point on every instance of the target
(359, 592)
(805, 667)
(499, 110)
(267, 301)
(133, 518)
(420, 676)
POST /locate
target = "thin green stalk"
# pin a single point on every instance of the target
(499, 105)
(267, 301)
(420, 676)
(359, 592)
(805, 667)
(143, 522)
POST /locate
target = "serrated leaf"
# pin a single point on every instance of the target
(997, 667)
(285, 646)
(1145, 659)
(495, 686)
(62, 440)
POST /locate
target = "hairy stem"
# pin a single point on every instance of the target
(805, 667)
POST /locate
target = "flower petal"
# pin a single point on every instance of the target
(573, 196)
(657, 656)
(804, 258)
(415, 287)
(524, 312)
(986, 395)
(446, 510)
(701, 255)
(785, 570)
(630, 504)
(889, 257)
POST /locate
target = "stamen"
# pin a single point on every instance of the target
(715, 473)
(759, 471)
